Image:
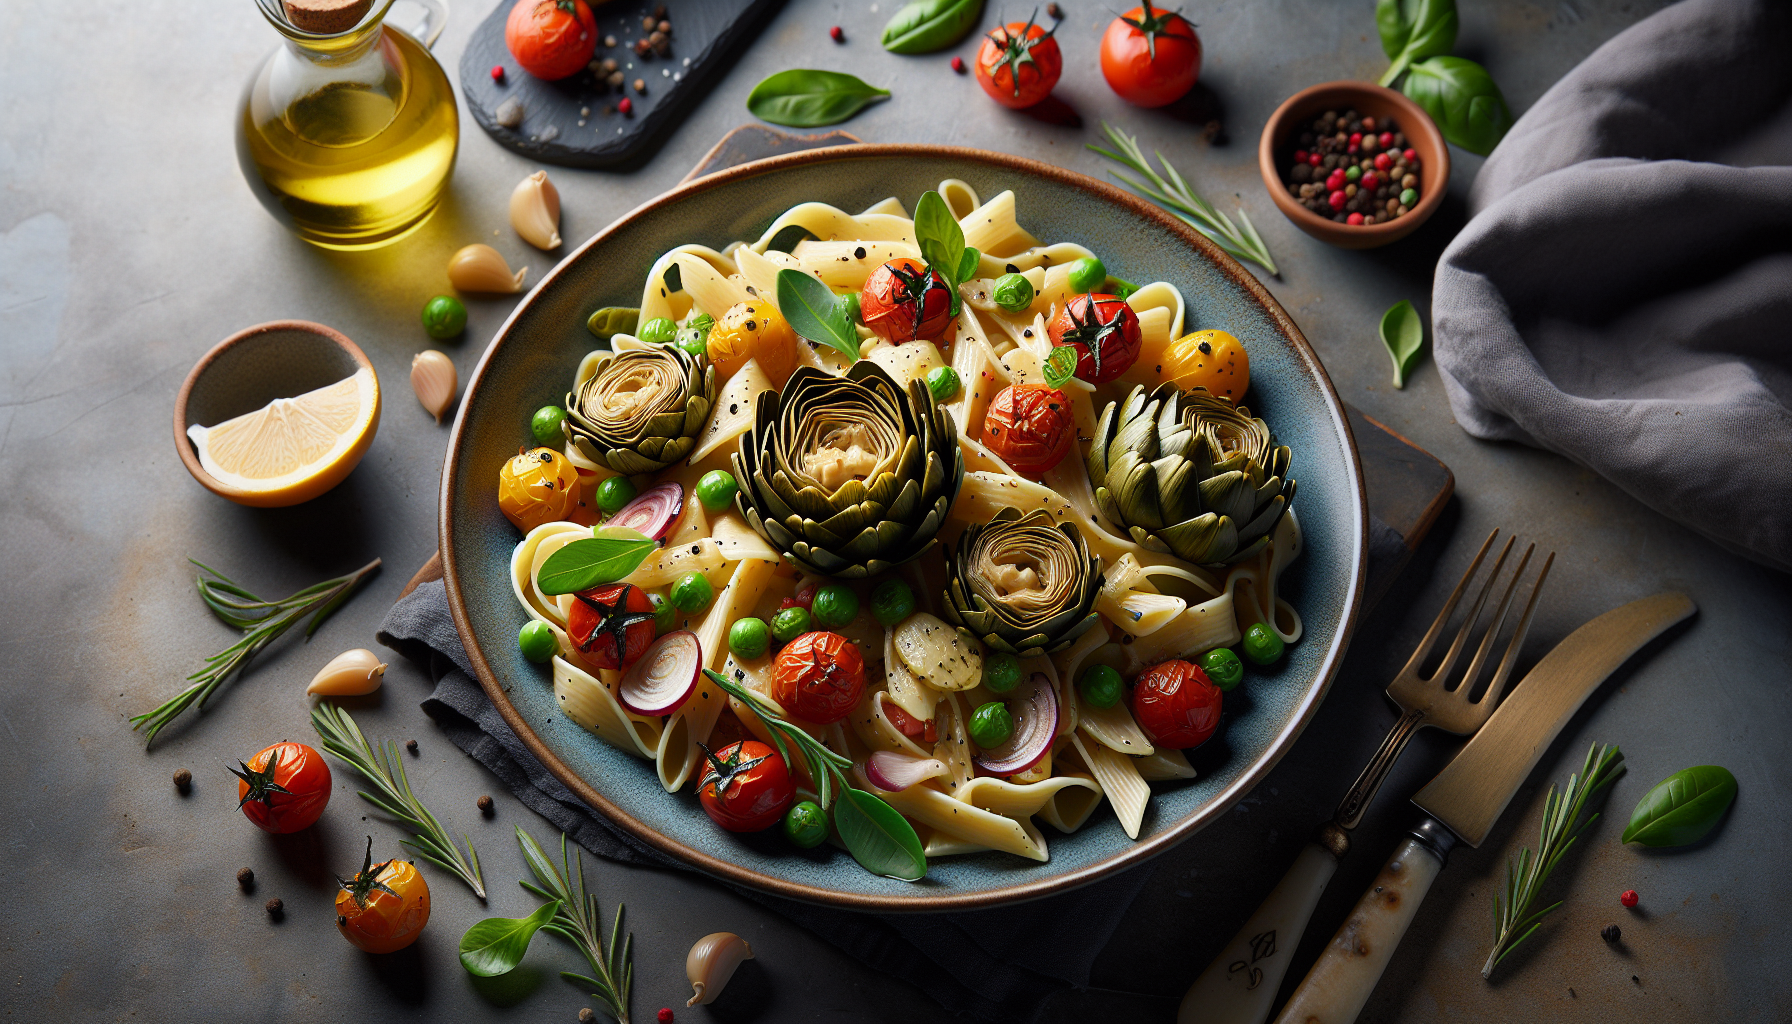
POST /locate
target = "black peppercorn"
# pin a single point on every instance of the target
(341, 921)
(410, 745)
(276, 908)
(183, 779)
(1610, 933)
(485, 806)
(246, 879)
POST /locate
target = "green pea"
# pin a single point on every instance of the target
(749, 637)
(614, 493)
(1262, 645)
(892, 602)
(1087, 274)
(991, 725)
(1001, 672)
(1100, 686)
(693, 337)
(658, 331)
(716, 489)
(1353, 173)
(1409, 198)
(806, 825)
(665, 617)
(835, 605)
(538, 641)
(692, 592)
(943, 382)
(544, 426)
(790, 623)
(1013, 292)
(444, 317)
(1223, 668)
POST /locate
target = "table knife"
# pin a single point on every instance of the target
(1467, 797)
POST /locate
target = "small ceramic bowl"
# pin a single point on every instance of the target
(1275, 151)
(253, 367)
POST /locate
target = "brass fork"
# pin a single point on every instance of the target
(1239, 986)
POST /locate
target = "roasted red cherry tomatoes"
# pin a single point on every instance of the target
(551, 39)
(1018, 64)
(746, 786)
(1030, 427)
(384, 907)
(819, 677)
(283, 788)
(1104, 330)
(1151, 56)
(904, 301)
(1176, 705)
(611, 625)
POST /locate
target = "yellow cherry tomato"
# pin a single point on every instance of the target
(754, 330)
(384, 908)
(537, 486)
(1213, 360)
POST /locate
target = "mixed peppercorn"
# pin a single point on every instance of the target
(1354, 169)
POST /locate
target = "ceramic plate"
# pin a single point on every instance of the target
(531, 362)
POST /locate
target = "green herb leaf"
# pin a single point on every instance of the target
(1240, 241)
(1404, 335)
(816, 313)
(1412, 30)
(967, 266)
(878, 837)
(1683, 807)
(613, 553)
(1461, 97)
(610, 321)
(1060, 366)
(929, 25)
(804, 98)
(939, 237)
(496, 945)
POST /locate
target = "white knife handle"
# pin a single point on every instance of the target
(1240, 986)
(1335, 990)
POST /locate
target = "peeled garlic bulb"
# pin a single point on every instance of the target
(349, 674)
(535, 211)
(479, 268)
(433, 377)
(711, 962)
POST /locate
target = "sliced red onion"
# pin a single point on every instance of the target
(654, 513)
(665, 677)
(894, 772)
(1034, 708)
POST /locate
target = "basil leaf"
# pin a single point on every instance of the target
(804, 98)
(1404, 335)
(1682, 808)
(1461, 97)
(967, 265)
(607, 557)
(930, 25)
(1412, 30)
(815, 312)
(878, 837)
(496, 945)
(1119, 287)
(939, 237)
(1060, 366)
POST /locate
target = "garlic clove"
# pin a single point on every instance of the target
(480, 268)
(535, 211)
(434, 379)
(349, 674)
(711, 962)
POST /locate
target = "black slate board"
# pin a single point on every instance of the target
(706, 33)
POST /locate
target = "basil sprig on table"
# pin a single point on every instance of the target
(1682, 808)
(1404, 335)
(1456, 92)
(816, 313)
(941, 241)
(610, 554)
(496, 945)
(805, 98)
(1412, 30)
(929, 25)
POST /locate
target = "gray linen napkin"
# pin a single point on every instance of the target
(1623, 292)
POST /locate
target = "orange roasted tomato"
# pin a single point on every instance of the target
(385, 907)
(551, 39)
(1213, 360)
(746, 786)
(750, 330)
(283, 788)
(819, 677)
(1151, 56)
(1176, 705)
(1104, 330)
(904, 301)
(1019, 64)
(1030, 427)
(611, 625)
(538, 486)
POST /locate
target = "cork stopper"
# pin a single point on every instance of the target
(326, 17)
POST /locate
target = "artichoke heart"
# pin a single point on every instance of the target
(1023, 584)
(1190, 474)
(641, 410)
(848, 476)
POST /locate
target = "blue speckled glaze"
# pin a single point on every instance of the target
(531, 362)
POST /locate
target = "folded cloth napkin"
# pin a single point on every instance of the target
(1623, 292)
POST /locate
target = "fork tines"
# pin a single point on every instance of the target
(1494, 623)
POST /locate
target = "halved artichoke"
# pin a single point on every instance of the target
(642, 409)
(1190, 474)
(1024, 584)
(848, 476)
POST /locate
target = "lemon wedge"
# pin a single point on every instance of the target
(292, 449)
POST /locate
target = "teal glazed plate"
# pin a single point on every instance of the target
(531, 362)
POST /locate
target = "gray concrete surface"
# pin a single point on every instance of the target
(129, 244)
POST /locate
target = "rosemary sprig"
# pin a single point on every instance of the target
(263, 621)
(577, 922)
(1239, 242)
(1513, 920)
(825, 764)
(385, 769)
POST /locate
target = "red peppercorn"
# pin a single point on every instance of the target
(1300, 156)
(1370, 180)
(1354, 220)
(1353, 149)
(1386, 140)
(627, 106)
(1336, 180)
(1368, 124)
(1338, 199)
(1314, 159)
(1356, 138)
(665, 1014)
(1628, 897)
(498, 73)
(838, 35)
(1383, 161)
(958, 65)
(1412, 156)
